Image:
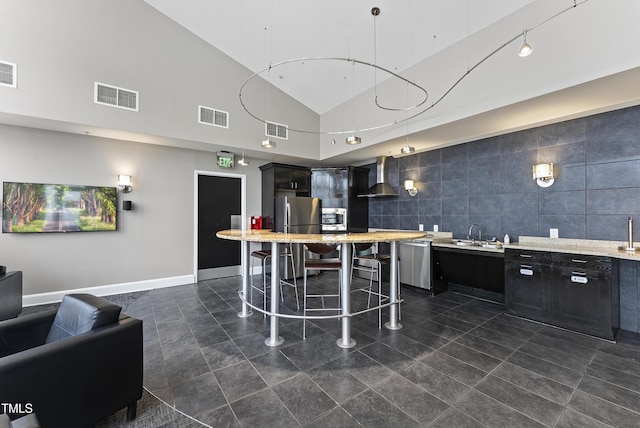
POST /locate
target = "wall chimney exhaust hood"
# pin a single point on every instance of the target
(382, 188)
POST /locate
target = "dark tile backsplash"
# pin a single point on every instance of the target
(596, 163)
(597, 168)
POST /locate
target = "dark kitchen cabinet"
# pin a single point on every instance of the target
(528, 284)
(339, 187)
(282, 180)
(584, 297)
(572, 291)
(288, 178)
(480, 270)
(331, 185)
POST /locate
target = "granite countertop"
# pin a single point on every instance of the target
(445, 240)
(256, 235)
(613, 249)
(430, 235)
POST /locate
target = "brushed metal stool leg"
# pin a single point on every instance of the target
(274, 339)
(246, 285)
(346, 341)
(393, 323)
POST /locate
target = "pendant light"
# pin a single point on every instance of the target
(525, 49)
(268, 144)
(243, 161)
(353, 140)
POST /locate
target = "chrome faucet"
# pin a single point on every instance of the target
(471, 231)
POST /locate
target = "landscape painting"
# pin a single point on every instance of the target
(43, 208)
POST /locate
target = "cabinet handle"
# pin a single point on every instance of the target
(578, 261)
(579, 279)
(526, 272)
(526, 266)
(579, 273)
(526, 256)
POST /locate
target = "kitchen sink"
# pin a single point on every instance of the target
(465, 243)
(470, 243)
(491, 245)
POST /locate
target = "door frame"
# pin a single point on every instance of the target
(243, 211)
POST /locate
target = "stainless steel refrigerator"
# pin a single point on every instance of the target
(295, 214)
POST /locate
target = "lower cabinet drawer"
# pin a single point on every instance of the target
(527, 290)
(582, 300)
(579, 261)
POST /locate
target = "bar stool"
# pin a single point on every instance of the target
(373, 264)
(329, 264)
(264, 256)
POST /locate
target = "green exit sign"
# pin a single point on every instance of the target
(225, 159)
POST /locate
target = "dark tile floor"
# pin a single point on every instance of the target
(459, 361)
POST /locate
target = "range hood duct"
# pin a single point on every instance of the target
(382, 188)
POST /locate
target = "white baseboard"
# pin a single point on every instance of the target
(106, 290)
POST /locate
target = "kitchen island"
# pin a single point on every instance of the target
(276, 239)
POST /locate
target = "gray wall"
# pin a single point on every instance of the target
(154, 241)
(630, 295)
(597, 167)
(62, 48)
(597, 164)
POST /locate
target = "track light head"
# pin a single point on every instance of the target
(525, 49)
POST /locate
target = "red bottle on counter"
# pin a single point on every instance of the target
(256, 222)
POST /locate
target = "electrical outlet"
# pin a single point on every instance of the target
(435, 227)
(421, 227)
(553, 233)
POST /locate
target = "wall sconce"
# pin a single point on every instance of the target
(543, 174)
(124, 183)
(410, 187)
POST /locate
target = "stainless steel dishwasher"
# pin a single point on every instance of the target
(415, 263)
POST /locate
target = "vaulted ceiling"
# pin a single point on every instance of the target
(407, 33)
(582, 64)
(259, 33)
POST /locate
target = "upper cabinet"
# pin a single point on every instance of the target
(339, 187)
(330, 184)
(286, 180)
(292, 179)
(282, 180)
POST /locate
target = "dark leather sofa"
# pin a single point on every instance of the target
(10, 295)
(72, 378)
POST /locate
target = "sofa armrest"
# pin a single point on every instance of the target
(23, 333)
(79, 380)
(11, 295)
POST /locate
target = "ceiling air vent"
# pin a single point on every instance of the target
(8, 74)
(212, 116)
(276, 130)
(116, 97)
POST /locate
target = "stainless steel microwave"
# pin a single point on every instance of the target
(334, 219)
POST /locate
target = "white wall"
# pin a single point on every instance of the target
(153, 242)
(62, 47)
